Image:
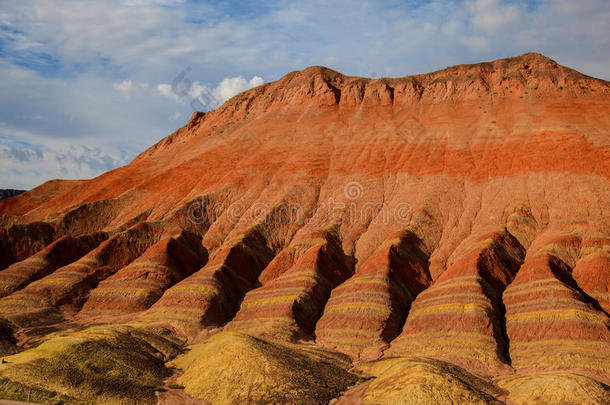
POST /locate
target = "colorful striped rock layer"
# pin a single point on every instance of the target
(438, 238)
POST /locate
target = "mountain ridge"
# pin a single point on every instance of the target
(9, 192)
(452, 225)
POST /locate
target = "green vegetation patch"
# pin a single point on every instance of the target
(233, 368)
(103, 364)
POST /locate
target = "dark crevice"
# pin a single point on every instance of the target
(503, 348)
(563, 272)
(334, 267)
(509, 254)
(400, 306)
(20, 241)
(409, 275)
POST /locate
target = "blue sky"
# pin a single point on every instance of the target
(85, 86)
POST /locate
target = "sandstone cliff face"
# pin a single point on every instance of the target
(459, 216)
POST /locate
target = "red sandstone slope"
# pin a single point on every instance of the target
(447, 215)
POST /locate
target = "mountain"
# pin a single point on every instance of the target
(437, 238)
(6, 193)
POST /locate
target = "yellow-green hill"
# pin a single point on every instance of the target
(425, 382)
(233, 368)
(110, 364)
(555, 388)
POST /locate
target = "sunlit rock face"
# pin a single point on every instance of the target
(448, 229)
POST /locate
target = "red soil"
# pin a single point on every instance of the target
(407, 204)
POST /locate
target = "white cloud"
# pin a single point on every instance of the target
(125, 87)
(201, 97)
(229, 87)
(166, 90)
(155, 39)
(490, 15)
(51, 115)
(23, 165)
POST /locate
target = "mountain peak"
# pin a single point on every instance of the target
(320, 86)
(452, 222)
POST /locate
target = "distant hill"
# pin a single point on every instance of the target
(6, 193)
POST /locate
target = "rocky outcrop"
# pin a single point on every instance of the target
(452, 224)
(138, 285)
(58, 254)
(592, 272)
(289, 306)
(460, 318)
(552, 324)
(20, 241)
(365, 313)
(67, 288)
(209, 297)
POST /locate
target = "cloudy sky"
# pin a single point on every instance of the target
(87, 85)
